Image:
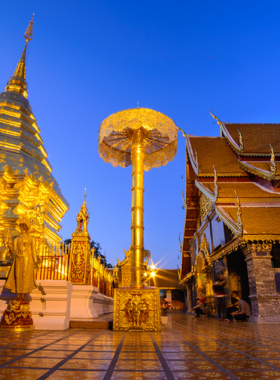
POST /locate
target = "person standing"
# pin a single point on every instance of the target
(220, 294)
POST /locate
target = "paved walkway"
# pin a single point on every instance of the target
(188, 348)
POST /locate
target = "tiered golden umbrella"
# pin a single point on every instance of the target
(145, 139)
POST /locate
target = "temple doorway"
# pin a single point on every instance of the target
(238, 275)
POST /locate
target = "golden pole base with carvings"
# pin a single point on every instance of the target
(136, 309)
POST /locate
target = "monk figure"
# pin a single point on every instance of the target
(21, 278)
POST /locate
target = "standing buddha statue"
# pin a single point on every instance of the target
(21, 278)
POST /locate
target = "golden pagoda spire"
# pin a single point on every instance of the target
(17, 83)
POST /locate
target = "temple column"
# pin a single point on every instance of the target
(189, 295)
(263, 296)
(210, 300)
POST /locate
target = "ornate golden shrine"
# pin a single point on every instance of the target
(145, 139)
(27, 186)
(79, 267)
(124, 268)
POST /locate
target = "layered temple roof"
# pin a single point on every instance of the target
(238, 176)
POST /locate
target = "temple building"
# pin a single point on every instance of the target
(27, 185)
(232, 216)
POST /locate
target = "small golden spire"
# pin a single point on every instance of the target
(17, 83)
(85, 195)
(28, 35)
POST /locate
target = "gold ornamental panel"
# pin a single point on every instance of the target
(136, 309)
(159, 137)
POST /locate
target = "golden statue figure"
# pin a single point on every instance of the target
(5, 250)
(21, 278)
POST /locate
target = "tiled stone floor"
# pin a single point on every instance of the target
(187, 348)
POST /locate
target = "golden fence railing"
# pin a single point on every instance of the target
(53, 265)
(52, 268)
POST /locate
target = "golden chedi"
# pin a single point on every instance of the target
(26, 179)
(145, 139)
(21, 280)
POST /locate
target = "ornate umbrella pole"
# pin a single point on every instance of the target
(144, 139)
(137, 209)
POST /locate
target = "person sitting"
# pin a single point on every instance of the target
(202, 299)
(244, 311)
(230, 307)
(199, 308)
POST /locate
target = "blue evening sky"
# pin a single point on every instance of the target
(89, 59)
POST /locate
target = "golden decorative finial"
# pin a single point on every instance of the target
(215, 184)
(181, 248)
(240, 140)
(184, 201)
(196, 158)
(85, 195)
(137, 104)
(215, 117)
(29, 31)
(239, 214)
(273, 167)
(181, 130)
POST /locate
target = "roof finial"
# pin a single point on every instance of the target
(273, 167)
(239, 215)
(240, 140)
(29, 31)
(137, 104)
(85, 195)
(215, 184)
(215, 117)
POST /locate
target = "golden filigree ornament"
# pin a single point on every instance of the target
(159, 137)
(17, 316)
(28, 35)
(136, 309)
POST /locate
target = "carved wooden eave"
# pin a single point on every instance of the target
(226, 249)
(191, 213)
(257, 171)
(187, 278)
(224, 131)
(207, 192)
(192, 156)
(232, 225)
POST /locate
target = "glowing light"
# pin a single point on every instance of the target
(153, 267)
(153, 274)
(145, 274)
